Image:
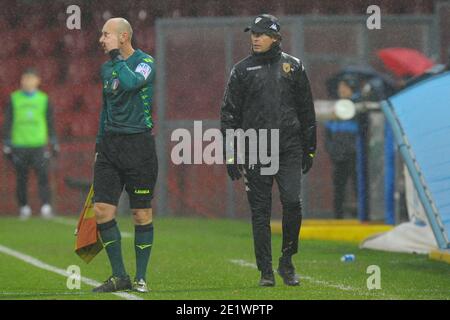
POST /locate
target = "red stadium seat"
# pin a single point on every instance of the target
(79, 72)
(11, 43)
(5, 93)
(10, 71)
(84, 125)
(43, 43)
(83, 71)
(4, 25)
(145, 40)
(62, 98)
(34, 22)
(62, 123)
(91, 97)
(77, 42)
(49, 70)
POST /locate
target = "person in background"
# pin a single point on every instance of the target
(341, 139)
(28, 130)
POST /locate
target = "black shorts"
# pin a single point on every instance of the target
(126, 160)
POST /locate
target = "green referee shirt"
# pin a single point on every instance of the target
(127, 95)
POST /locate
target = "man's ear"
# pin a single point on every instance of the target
(122, 37)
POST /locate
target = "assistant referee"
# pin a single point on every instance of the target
(125, 152)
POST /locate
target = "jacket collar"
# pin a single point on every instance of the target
(268, 57)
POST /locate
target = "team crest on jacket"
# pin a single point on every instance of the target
(286, 67)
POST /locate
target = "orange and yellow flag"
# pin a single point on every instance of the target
(88, 243)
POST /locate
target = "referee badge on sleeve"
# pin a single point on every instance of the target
(144, 69)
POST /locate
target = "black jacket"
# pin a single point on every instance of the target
(271, 91)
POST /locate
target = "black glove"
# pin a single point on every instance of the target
(307, 162)
(309, 148)
(97, 151)
(7, 152)
(234, 169)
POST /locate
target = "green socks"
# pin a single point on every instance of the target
(110, 235)
(143, 241)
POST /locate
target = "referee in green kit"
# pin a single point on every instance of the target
(125, 152)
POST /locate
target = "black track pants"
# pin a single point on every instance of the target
(259, 192)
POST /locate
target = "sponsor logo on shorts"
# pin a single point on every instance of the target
(141, 191)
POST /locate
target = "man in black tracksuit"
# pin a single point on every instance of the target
(270, 90)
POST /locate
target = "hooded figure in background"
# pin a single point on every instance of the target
(341, 144)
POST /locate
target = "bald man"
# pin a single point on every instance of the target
(125, 152)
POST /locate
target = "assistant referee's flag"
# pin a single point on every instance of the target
(88, 243)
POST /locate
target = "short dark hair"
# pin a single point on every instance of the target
(351, 81)
(31, 71)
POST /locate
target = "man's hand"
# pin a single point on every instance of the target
(233, 169)
(307, 162)
(7, 152)
(55, 150)
(309, 147)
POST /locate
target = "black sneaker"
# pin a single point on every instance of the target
(114, 284)
(267, 279)
(287, 271)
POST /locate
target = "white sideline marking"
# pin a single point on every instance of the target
(42, 265)
(244, 263)
(37, 294)
(73, 223)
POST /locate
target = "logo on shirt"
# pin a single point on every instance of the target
(144, 69)
(254, 68)
(115, 84)
(286, 67)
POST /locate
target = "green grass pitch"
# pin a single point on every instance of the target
(210, 259)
